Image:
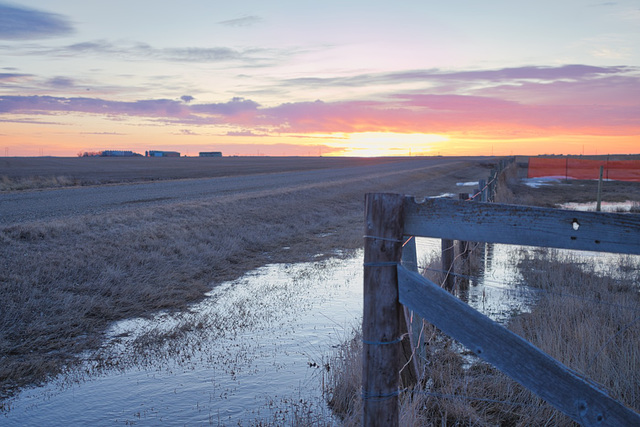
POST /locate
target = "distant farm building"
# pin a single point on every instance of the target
(154, 153)
(211, 154)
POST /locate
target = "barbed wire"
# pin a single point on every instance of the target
(481, 190)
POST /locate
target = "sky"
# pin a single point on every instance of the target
(311, 78)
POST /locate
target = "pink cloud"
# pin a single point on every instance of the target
(618, 90)
(572, 99)
(575, 72)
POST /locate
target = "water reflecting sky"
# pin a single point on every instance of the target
(254, 347)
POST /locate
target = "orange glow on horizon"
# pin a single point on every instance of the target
(29, 139)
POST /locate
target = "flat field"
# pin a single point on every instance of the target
(165, 231)
(102, 170)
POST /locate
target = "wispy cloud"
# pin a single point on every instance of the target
(187, 132)
(153, 108)
(245, 133)
(236, 106)
(527, 100)
(138, 51)
(31, 122)
(13, 77)
(102, 133)
(504, 75)
(60, 82)
(244, 21)
(19, 23)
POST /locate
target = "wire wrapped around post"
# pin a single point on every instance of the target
(382, 311)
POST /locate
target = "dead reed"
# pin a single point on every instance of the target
(587, 317)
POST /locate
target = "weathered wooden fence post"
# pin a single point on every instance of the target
(599, 190)
(464, 252)
(382, 313)
(448, 270)
(482, 190)
(463, 246)
(493, 181)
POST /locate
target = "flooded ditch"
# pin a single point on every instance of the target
(255, 351)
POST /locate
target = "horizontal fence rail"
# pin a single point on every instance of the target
(391, 218)
(522, 225)
(513, 355)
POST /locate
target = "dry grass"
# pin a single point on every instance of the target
(587, 317)
(35, 182)
(23, 173)
(345, 379)
(513, 190)
(64, 282)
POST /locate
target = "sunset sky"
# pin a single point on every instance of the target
(356, 78)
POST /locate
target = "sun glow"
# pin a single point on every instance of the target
(374, 144)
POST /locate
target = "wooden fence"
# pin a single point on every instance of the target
(389, 284)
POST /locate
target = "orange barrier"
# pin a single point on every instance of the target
(572, 168)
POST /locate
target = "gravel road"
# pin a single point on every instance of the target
(45, 205)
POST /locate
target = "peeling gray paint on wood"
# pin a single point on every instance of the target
(523, 225)
(513, 355)
(382, 312)
(508, 224)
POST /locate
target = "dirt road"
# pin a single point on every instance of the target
(26, 206)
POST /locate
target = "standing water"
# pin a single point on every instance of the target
(254, 351)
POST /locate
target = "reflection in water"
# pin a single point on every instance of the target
(489, 280)
(255, 349)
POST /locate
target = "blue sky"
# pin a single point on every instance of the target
(331, 77)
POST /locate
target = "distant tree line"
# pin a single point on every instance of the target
(109, 153)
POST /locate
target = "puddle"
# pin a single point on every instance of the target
(443, 196)
(628, 206)
(468, 184)
(255, 350)
(540, 182)
(494, 290)
(257, 345)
